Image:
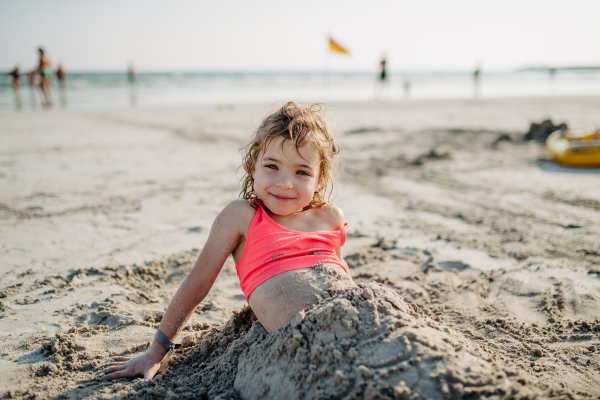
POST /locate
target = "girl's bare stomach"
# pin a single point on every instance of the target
(277, 301)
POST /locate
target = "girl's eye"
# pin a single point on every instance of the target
(271, 166)
(303, 173)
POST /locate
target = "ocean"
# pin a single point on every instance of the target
(89, 90)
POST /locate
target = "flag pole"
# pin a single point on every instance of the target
(327, 78)
(333, 46)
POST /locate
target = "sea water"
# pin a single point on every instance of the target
(86, 90)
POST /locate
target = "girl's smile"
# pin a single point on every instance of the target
(283, 198)
(286, 177)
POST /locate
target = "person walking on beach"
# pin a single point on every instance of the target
(61, 76)
(16, 84)
(131, 79)
(45, 70)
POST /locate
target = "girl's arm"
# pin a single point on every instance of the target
(226, 233)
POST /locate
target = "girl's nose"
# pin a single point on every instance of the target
(285, 182)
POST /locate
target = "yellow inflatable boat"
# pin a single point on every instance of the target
(575, 150)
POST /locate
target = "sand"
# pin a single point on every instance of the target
(475, 258)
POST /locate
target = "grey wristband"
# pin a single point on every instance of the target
(164, 340)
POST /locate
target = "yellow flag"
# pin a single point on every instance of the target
(333, 46)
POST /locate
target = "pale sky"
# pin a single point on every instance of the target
(269, 35)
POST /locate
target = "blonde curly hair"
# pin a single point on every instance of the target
(300, 124)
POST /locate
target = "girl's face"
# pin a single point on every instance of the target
(284, 180)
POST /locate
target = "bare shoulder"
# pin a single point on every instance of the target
(240, 208)
(333, 215)
(338, 214)
(239, 214)
(240, 205)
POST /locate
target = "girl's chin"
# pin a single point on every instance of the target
(283, 208)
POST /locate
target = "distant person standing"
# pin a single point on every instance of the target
(552, 72)
(61, 76)
(15, 74)
(383, 77)
(476, 80)
(131, 73)
(132, 79)
(406, 86)
(16, 84)
(45, 70)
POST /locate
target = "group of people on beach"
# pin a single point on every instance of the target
(42, 76)
(45, 73)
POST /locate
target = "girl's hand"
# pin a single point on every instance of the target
(146, 365)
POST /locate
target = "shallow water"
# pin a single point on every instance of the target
(90, 90)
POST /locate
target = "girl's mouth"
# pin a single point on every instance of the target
(282, 198)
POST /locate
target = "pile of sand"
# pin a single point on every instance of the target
(365, 342)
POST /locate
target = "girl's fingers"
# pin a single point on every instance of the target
(110, 364)
(114, 361)
(113, 369)
(115, 375)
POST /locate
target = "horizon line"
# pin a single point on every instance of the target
(320, 71)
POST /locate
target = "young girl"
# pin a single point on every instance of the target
(281, 228)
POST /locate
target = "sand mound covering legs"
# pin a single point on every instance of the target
(364, 342)
(368, 343)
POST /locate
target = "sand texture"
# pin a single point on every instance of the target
(477, 260)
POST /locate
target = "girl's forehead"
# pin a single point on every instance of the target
(285, 147)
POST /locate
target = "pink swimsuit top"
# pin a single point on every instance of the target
(272, 250)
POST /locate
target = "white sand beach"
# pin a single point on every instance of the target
(103, 213)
